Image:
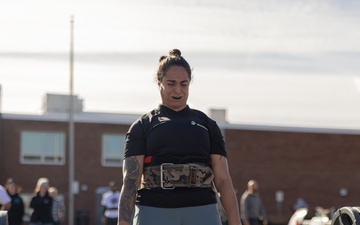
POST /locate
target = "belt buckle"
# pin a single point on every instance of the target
(192, 175)
(162, 176)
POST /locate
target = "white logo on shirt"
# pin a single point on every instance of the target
(163, 119)
(199, 125)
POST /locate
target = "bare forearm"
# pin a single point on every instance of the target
(229, 202)
(224, 186)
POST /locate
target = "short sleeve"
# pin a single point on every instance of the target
(135, 140)
(217, 145)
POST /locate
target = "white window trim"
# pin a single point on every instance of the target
(103, 162)
(42, 162)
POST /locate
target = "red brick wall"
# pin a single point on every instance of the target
(313, 166)
(88, 168)
(26, 175)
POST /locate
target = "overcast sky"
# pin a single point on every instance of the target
(268, 62)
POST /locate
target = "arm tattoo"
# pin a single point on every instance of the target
(129, 189)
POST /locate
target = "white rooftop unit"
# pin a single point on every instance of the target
(219, 115)
(61, 103)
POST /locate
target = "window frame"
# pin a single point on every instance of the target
(57, 139)
(104, 161)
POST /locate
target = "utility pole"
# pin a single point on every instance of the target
(71, 128)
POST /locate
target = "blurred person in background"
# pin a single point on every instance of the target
(300, 204)
(42, 204)
(110, 203)
(5, 200)
(58, 207)
(16, 211)
(252, 208)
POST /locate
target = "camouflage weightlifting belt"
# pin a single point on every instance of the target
(170, 176)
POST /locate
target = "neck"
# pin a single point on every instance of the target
(177, 109)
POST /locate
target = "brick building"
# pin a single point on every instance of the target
(319, 165)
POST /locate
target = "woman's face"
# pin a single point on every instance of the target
(43, 189)
(12, 188)
(174, 88)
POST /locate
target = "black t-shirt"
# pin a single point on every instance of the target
(166, 136)
(42, 206)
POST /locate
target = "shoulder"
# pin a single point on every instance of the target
(4, 197)
(36, 196)
(144, 122)
(205, 120)
(2, 190)
(245, 194)
(17, 196)
(200, 114)
(56, 201)
(106, 194)
(147, 117)
(203, 117)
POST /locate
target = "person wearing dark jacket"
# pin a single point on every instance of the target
(16, 211)
(42, 204)
(252, 209)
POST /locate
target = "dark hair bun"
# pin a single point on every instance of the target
(162, 58)
(175, 52)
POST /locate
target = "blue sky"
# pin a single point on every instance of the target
(274, 62)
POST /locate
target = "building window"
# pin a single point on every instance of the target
(42, 147)
(112, 149)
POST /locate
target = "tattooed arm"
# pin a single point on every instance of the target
(132, 172)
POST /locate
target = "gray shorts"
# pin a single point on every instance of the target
(197, 215)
